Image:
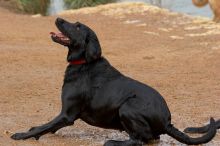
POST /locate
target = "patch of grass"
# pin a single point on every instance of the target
(11, 5)
(34, 6)
(41, 6)
(75, 4)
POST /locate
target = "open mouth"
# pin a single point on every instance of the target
(60, 38)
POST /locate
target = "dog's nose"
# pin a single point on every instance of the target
(60, 21)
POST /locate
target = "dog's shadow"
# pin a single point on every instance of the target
(99, 135)
(96, 135)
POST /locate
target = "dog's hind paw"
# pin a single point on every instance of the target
(123, 143)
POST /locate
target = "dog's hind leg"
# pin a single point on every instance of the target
(135, 125)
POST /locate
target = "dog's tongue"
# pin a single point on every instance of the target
(59, 34)
(60, 38)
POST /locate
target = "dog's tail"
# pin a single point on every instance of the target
(182, 137)
(203, 129)
(200, 3)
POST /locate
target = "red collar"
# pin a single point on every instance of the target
(77, 62)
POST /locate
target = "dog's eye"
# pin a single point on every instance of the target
(77, 26)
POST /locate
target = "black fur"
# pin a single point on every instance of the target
(202, 129)
(101, 96)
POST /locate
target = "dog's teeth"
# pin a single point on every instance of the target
(65, 39)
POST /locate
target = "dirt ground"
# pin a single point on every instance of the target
(174, 53)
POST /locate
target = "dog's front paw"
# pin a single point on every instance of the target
(19, 136)
(23, 136)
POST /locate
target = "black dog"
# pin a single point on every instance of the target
(203, 129)
(97, 93)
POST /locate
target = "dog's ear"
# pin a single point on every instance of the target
(93, 48)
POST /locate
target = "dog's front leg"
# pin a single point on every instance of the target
(69, 113)
(36, 132)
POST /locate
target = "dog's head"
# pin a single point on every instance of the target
(79, 38)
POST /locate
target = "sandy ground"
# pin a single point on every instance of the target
(176, 54)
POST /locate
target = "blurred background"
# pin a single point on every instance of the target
(178, 55)
(50, 7)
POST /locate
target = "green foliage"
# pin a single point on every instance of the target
(41, 6)
(34, 6)
(74, 4)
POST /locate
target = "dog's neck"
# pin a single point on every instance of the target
(74, 70)
(77, 62)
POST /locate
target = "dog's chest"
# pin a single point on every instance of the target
(110, 122)
(104, 118)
